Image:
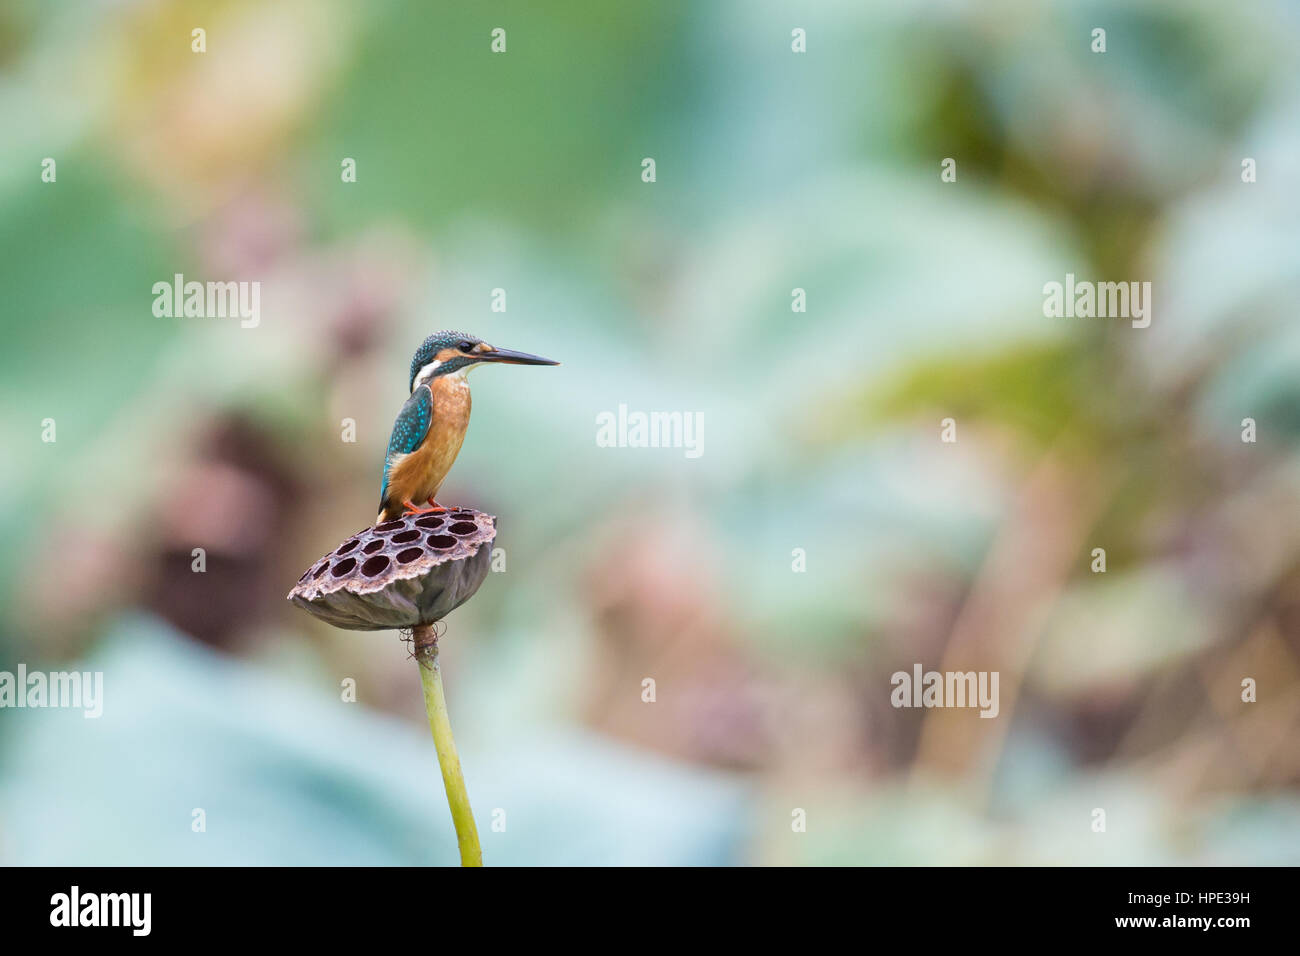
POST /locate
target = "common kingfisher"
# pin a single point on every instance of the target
(431, 425)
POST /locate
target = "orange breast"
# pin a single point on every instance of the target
(420, 474)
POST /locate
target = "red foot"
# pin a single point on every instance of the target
(412, 510)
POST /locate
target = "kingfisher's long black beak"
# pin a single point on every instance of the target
(511, 357)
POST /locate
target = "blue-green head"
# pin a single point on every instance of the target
(451, 353)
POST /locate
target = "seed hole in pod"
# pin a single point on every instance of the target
(344, 567)
(406, 537)
(388, 526)
(372, 547)
(320, 570)
(347, 546)
(375, 565)
(429, 521)
(441, 541)
(463, 527)
(409, 555)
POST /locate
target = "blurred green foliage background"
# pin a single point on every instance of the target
(775, 170)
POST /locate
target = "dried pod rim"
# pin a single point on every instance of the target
(388, 576)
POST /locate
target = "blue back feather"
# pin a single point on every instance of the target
(408, 431)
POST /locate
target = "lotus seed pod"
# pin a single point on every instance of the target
(411, 571)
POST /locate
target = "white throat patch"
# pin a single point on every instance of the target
(427, 373)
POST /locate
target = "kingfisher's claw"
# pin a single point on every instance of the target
(411, 509)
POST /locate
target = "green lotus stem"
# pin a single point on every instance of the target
(435, 705)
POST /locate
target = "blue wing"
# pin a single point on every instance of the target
(408, 431)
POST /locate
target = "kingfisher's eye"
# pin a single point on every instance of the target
(466, 346)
